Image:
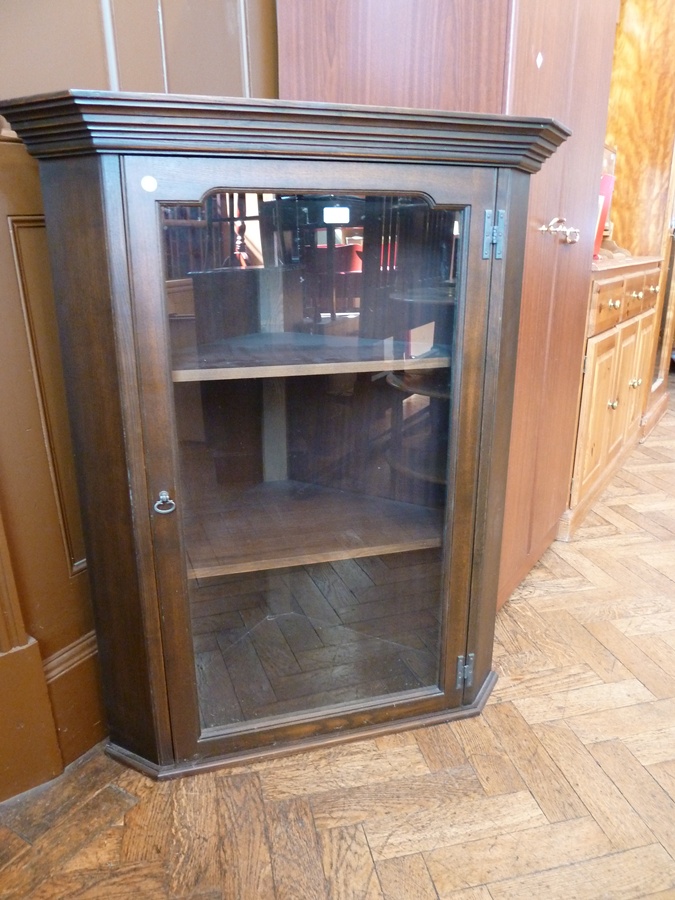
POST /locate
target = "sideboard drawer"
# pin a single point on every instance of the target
(651, 288)
(633, 293)
(607, 305)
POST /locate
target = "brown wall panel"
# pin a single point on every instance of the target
(539, 56)
(29, 242)
(44, 552)
(29, 752)
(394, 54)
(36, 463)
(12, 630)
(74, 686)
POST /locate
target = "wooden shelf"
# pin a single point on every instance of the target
(272, 354)
(620, 264)
(438, 295)
(429, 384)
(287, 523)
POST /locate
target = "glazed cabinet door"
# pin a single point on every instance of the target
(311, 366)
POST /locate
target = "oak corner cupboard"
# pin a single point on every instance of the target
(289, 335)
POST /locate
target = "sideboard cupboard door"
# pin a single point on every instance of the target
(289, 337)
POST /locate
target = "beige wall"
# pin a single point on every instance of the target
(49, 45)
(219, 47)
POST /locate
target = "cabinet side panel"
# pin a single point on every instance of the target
(501, 352)
(82, 290)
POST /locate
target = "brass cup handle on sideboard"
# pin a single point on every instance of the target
(557, 226)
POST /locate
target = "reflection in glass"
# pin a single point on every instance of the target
(311, 340)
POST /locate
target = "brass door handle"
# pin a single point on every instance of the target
(557, 226)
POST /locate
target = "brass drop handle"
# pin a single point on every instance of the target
(654, 288)
(638, 295)
(635, 383)
(612, 404)
(614, 304)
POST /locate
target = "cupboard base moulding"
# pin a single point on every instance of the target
(198, 766)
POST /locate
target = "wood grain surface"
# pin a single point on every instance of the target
(640, 124)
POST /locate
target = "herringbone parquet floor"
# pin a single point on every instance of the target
(563, 788)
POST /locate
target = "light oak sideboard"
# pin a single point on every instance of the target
(616, 377)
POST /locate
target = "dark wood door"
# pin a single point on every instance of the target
(442, 54)
(563, 70)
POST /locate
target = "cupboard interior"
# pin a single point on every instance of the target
(312, 339)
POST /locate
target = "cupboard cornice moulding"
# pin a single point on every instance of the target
(85, 122)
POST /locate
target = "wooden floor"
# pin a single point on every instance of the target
(563, 788)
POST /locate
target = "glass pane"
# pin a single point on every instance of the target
(311, 342)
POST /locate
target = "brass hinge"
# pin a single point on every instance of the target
(464, 671)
